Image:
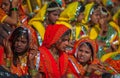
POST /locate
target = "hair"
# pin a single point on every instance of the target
(18, 32)
(68, 32)
(80, 9)
(52, 5)
(94, 8)
(90, 46)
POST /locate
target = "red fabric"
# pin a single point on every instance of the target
(50, 67)
(53, 33)
(1, 55)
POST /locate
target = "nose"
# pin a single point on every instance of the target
(66, 43)
(3, 6)
(18, 43)
(82, 53)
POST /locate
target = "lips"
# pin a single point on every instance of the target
(81, 58)
(18, 49)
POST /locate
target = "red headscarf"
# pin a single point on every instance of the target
(53, 33)
(86, 39)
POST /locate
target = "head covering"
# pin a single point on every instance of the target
(53, 34)
(116, 16)
(41, 15)
(19, 31)
(72, 11)
(107, 2)
(88, 40)
(89, 9)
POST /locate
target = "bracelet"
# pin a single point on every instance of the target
(108, 44)
(101, 38)
(33, 72)
(8, 62)
(14, 9)
(87, 74)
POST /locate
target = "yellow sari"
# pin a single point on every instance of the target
(37, 21)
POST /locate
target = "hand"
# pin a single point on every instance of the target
(95, 67)
(7, 48)
(32, 53)
(114, 47)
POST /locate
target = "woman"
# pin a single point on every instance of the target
(108, 37)
(72, 17)
(92, 16)
(48, 14)
(83, 64)
(54, 60)
(18, 49)
(8, 12)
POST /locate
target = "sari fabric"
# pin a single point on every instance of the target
(112, 37)
(112, 62)
(1, 55)
(48, 65)
(53, 33)
(70, 14)
(23, 21)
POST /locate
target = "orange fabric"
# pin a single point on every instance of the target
(23, 19)
(50, 67)
(2, 14)
(113, 63)
(19, 70)
(32, 31)
(72, 70)
(53, 33)
(22, 66)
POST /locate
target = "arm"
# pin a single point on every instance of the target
(13, 19)
(98, 69)
(31, 61)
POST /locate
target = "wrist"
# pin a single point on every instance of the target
(14, 9)
(33, 72)
(87, 73)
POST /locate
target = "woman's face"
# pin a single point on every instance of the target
(95, 17)
(53, 16)
(80, 17)
(103, 19)
(20, 44)
(63, 43)
(6, 5)
(84, 54)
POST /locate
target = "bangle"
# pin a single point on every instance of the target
(33, 72)
(108, 44)
(87, 74)
(8, 62)
(101, 38)
(14, 9)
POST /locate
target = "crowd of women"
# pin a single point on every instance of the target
(60, 39)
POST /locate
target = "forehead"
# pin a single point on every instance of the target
(22, 37)
(54, 11)
(96, 11)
